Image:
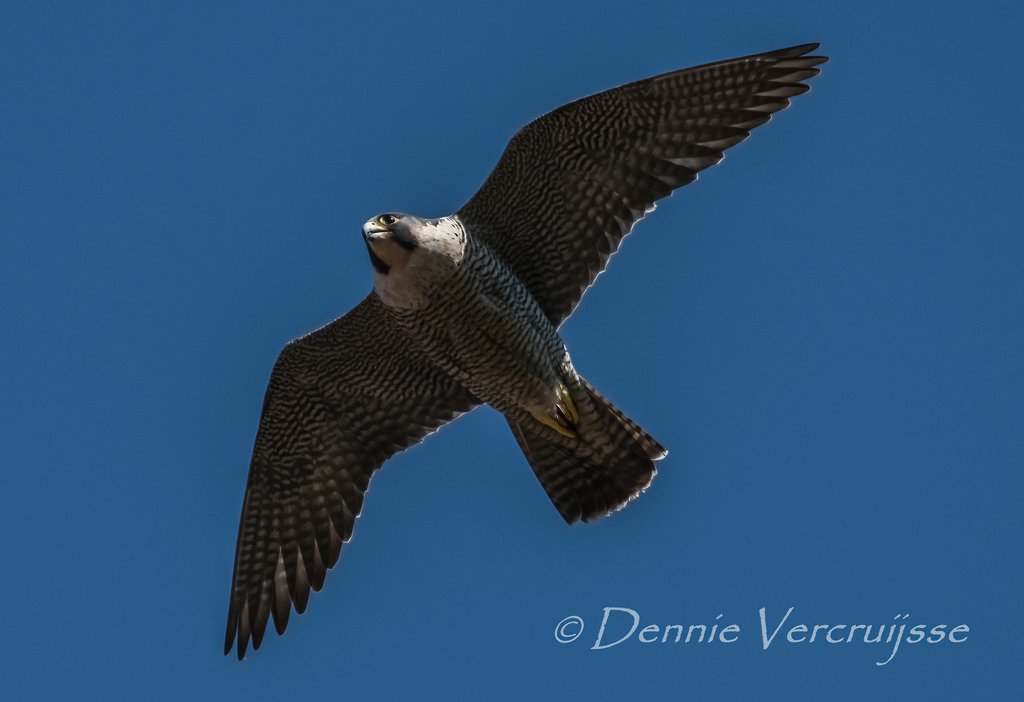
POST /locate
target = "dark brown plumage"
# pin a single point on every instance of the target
(569, 186)
(341, 401)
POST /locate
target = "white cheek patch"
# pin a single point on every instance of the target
(417, 274)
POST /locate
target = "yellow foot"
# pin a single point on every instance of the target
(566, 406)
(563, 416)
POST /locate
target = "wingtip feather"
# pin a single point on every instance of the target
(229, 636)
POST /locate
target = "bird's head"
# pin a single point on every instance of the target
(410, 254)
(392, 240)
(396, 241)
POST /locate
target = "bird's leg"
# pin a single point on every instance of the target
(563, 416)
(566, 407)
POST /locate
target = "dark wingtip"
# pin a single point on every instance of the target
(229, 635)
(806, 48)
(800, 51)
(281, 610)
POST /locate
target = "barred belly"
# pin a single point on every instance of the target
(487, 331)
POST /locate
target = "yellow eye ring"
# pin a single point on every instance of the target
(387, 220)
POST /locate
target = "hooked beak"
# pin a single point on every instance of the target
(374, 231)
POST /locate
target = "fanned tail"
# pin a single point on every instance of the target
(610, 462)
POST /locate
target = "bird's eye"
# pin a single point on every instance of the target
(387, 220)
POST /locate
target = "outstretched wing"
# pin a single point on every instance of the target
(571, 184)
(341, 400)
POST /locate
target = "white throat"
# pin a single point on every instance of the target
(410, 284)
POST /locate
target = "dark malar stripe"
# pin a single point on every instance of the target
(403, 240)
(377, 262)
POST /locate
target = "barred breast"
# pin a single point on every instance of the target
(485, 329)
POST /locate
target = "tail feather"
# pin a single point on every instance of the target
(652, 448)
(610, 462)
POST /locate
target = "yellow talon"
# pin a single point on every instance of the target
(564, 417)
(550, 421)
(567, 406)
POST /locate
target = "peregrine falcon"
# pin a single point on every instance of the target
(465, 310)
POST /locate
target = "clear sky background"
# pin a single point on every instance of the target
(825, 331)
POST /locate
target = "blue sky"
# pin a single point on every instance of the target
(824, 331)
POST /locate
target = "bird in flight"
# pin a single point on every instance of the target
(465, 310)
